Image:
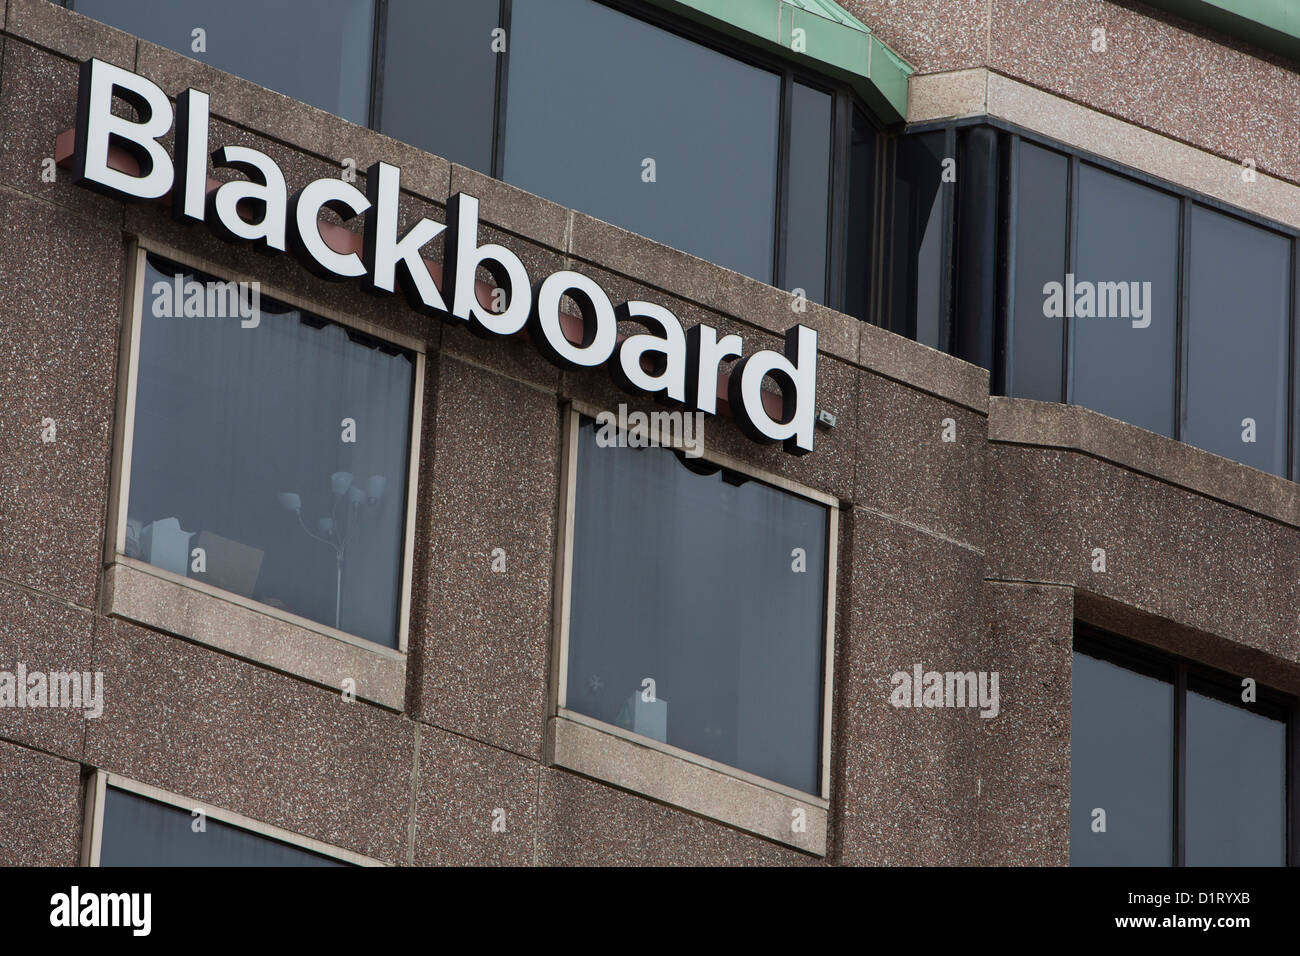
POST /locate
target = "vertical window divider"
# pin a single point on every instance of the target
(1292, 768)
(1293, 416)
(378, 49)
(782, 179)
(499, 101)
(1180, 319)
(841, 144)
(1180, 764)
(881, 249)
(1071, 259)
(1009, 218)
(948, 199)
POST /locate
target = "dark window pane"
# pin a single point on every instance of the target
(810, 184)
(1121, 761)
(918, 273)
(682, 573)
(142, 832)
(861, 218)
(593, 93)
(1237, 331)
(440, 77)
(1037, 341)
(318, 54)
(230, 420)
(1236, 785)
(1128, 256)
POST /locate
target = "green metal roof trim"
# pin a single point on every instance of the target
(1270, 24)
(838, 44)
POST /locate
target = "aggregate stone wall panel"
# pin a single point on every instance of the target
(1168, 551)
(46, 637)
(921, 459)
(905, 781)
(1156, 71)
(585, 823)
(38, 101)
(60, 282)
(932, 35)
(1023, 803)
(71, 35)
(274, 748)
(491, 492)
(476, 805)
(514, 356)
(40, 815)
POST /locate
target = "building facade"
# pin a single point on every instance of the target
(669, 432)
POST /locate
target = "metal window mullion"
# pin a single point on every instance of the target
(838, 220)
(378, 53)
(837, 197)
(1292, 768)
(498, 161)
(882, 215)
(782, 180)
(1012, 213)
(1182, 321)
(1293, 393)
(1071, 260)
(1180, 765)
(947, 266)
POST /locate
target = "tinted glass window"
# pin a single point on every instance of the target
(861, 222)
(141, 832)
(279, 447)
(1122, 762)
(1237, 332)
(918, 239)
(1127, 263)
(440, 77)
(684, 575)
(318, 53)
(810, 184)
(1236, 785)
(1037, 340)
(594, 94)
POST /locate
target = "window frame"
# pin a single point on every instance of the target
(1182, 672)
(374, 86)
(722, 779)
(843, 101)
(138, 249)
(789, 71)
(1012, 135)
(886, 250)
(98, 782)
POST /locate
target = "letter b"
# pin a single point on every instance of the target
(98, 129)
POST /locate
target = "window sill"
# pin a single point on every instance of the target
(684, 780)
(198, 612)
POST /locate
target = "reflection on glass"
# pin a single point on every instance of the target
(1236, 785)
(1122, 762)
(918, 239)
(1237, 340)
(810, 184)
(142, 832)
(270, 459)
(645, 129)
(689, 623)
(1037, 340)
(317, 53)
(440, 77)
(1128, 256)
(861, 219)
